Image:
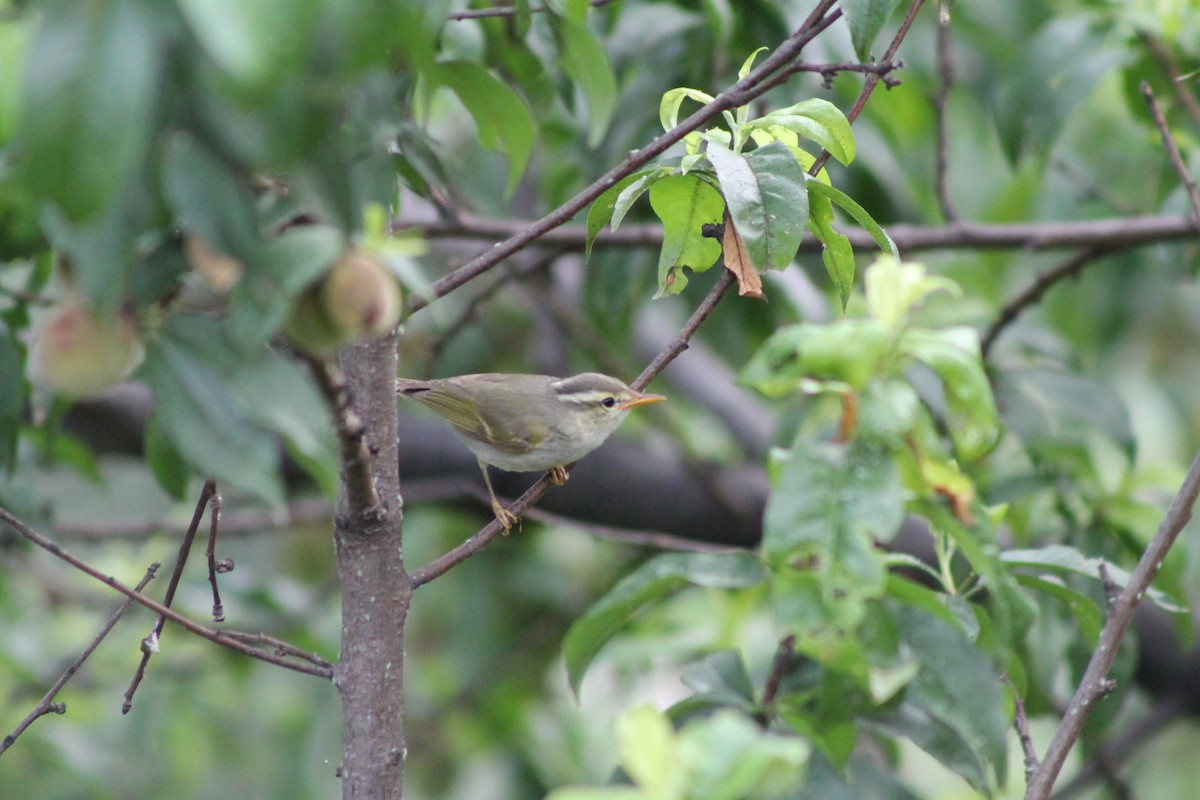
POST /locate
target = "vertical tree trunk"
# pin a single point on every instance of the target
(375, 588)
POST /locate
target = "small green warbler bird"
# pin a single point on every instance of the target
(528, 423)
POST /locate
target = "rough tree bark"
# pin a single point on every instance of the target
(375, 587)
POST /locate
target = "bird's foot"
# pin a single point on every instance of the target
(505, 517)
(558, 475)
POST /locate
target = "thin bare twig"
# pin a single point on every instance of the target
(779, 667)
(1170, 66)
(1095, 683)
(873, 79)
(741, 93)
(1034, 293)
(941, 176)
(219, 637)
(1021, 723)
(47, 705)
(150, 643)
(1173, 153)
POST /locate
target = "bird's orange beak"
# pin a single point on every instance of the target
(641, 400)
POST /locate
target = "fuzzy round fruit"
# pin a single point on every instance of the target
(78, 353)
(360, 296)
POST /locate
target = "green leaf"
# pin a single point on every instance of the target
(893, 288)
(1062, 559)
(726, 756)
(1083, 608)
(954, 708)
(166, 464)
(815, 119)
(721, 676)
(260, 302)
(1042, 404)
(857, 212)
(90, 98)
(601, 212)
(587, 62)
(597, 793)
(866, 19)
(953, 353)
(223, 409)
(850, 351)
(685, 203)
(767, 198)
(668, 107)
(502, 116)
(15, 35)
(633, 190)
(12, 397)
(830, 504)
(655, 580)
(646, 742)
(255, 44)
(186, 369)
(836, 253)
(209, 199)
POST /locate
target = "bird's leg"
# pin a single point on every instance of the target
(505, 517)
(558, 475)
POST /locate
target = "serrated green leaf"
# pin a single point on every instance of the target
(767, 198)
(89, 100)
(587, 62)
(685, 203)
(601, 212)
(502, 116)
(953, 353)
(866, 19)
(814, 119)
(1063, 559)
(656, 579)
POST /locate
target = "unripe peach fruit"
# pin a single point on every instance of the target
(78, 353)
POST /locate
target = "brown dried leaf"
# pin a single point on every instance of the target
(737, 261)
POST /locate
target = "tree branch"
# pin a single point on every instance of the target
(1096, 683)
(1034, 293)
(1173, 153)
(47, 705)
(318, 666)
(1110, 234)
(741, 93)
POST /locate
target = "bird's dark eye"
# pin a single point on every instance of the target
(608, 402)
